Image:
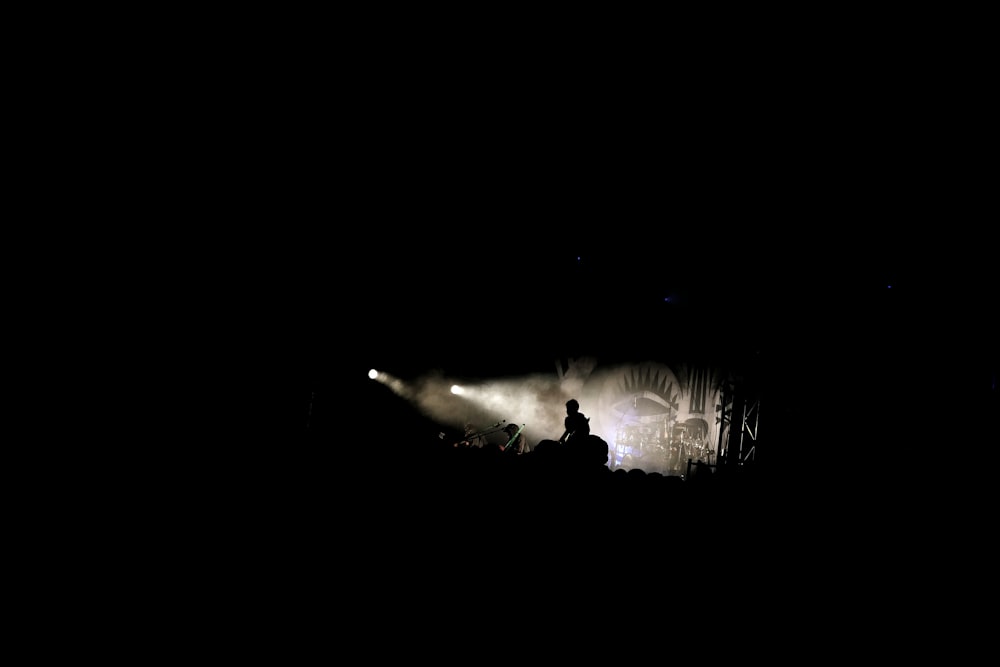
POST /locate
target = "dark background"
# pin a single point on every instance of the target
(325, 201)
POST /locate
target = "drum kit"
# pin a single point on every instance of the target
(656, 446)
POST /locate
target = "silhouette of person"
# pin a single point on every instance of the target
(471, 438)
(516, 442)
(577, 424)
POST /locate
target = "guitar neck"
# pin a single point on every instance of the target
(513, 437)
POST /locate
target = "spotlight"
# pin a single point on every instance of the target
(373, 374)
